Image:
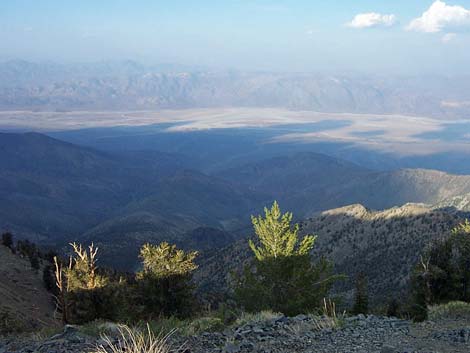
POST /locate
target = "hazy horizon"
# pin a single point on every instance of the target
(419, 37)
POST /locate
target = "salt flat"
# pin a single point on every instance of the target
(390, 133)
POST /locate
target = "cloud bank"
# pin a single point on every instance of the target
(372, 19)
(440, 17)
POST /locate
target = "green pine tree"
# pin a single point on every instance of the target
(165, 281)
(166, 260)
(277, 237)
(282, 276)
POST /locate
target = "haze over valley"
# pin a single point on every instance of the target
(245, 176)
(206, 150)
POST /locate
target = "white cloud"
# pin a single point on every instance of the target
(446, 38)
(440, 17)
(372, 19)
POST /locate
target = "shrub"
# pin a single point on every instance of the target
(26, 248)
(262, 316)
(9, 323)
(418, 309)
(98, 328)
(48, 278)
(451, 310)
(85, 293)
(7, 240)
(444, 270)
(203, 324)
(393, 308)
(34, 261)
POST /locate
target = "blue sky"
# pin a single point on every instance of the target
(304, 35)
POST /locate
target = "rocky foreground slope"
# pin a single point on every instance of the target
(300, 334)
(25, 304)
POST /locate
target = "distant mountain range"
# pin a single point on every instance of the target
(54, 192)
(130, 86)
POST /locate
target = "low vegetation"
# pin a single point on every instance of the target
(261, 316)
(86, 293)
(9, 323)
(451, 310)
(134, 340)
(443, 272)
(361, 300)
(282, 278)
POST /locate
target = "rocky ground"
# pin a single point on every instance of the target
(299, 334)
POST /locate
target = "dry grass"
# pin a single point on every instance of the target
(316, 323)
(451, 310)
(187, 327)
(262, 316)
(133, 340)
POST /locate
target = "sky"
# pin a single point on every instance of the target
(378, 36)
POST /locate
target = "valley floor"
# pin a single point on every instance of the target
(300, 334)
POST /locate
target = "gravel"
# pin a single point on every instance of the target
(301, 334)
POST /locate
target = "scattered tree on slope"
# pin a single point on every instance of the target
(282, 276)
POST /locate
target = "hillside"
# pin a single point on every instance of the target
(56, 192)
(309, 182)
(53, 187)
(384, 245)
(22, 293)
(303, 182)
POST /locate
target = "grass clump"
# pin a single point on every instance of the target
(98, 328)
(188, 327)
(451, 310)
(204, 324)
(134, 340)
(262, 316)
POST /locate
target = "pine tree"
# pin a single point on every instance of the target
(165, 281)
(78, 284)
(277, 237)
(166, 260)
(282, 276)
(361, 300)
(82, 274)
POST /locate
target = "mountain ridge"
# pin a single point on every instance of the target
(117, 85)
